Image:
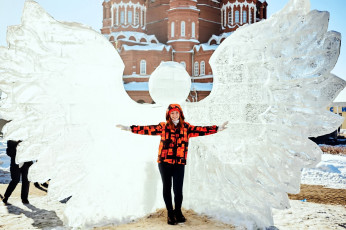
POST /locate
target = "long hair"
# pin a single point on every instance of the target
(181, 116)
(171, 124)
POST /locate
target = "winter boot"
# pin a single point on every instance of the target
(171, 218)
(179, 216)
(4, 200)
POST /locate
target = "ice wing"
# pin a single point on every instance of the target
(65, 95)
(272, 82)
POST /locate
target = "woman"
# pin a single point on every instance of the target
(16, 172)
(175, 134)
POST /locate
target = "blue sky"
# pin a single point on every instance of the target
(89, 12)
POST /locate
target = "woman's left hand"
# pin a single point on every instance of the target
(223, 126)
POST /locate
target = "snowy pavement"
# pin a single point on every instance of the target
(45, 214)
(306, 215)
(330, 172)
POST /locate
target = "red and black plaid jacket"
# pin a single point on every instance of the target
(174, 142)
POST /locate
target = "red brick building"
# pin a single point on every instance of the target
(146, 32)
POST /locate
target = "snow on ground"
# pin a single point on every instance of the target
(45, 214)
(39, 214)
(306, 215)
(330, 172)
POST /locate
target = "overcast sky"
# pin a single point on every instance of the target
(89, 12)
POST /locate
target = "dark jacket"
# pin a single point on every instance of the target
(11, 150)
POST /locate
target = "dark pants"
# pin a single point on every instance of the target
(15, 178)
(175, 171)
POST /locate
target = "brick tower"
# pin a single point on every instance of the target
(183, 30)
(147, 32)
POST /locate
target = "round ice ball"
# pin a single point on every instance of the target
(169, 83)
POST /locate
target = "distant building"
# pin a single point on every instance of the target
(186, 31)
(339, 108)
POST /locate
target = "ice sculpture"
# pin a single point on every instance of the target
(64, 96)
(272, 83)
(169, 83)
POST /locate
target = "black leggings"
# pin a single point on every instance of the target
(15, 178)
(175, 171)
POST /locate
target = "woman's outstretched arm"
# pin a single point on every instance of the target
(195, 131)
(144, 130)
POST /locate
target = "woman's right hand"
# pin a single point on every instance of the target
(123, 127)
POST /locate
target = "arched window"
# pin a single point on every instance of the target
(202, 68)
(183, 64)
(142, 17)
(116, 16)
(143, 67)
(230, 17)
(172, 29)
(244, 16)
(136, 18)
(122, 17)
(193, 29)
(250, 16)
(113, 16)
(182, 29)
(236, 16)
(196, 67)
(129, 17)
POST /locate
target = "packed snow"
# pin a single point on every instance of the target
(330, 172)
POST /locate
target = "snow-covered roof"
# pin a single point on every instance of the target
(134, 75)
(183, 40)
(137, 35)
(184, 8)
(205, 47)
(143, 86)
(202, 77)
(218, 38)
(156, 47)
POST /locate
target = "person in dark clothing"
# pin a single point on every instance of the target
(16, 172)
(175, 134)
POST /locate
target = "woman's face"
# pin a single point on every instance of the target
(174, 115)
